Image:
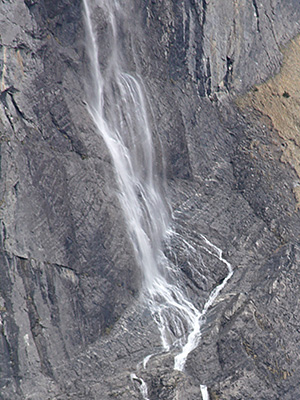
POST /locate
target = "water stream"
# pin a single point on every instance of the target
(118, 106)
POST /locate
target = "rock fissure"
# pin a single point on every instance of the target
(256, 15)
(272, 28)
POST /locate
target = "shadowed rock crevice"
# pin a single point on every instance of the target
(34, 319)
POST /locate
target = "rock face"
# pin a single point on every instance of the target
(72, 324)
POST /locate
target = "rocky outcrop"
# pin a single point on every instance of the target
(72, 325)
(252, 345)
(62, 283)
(277, 100)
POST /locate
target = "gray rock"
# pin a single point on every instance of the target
(72, 324)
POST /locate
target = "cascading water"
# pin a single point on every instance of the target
(118, 108)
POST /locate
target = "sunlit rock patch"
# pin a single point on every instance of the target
(279, 99)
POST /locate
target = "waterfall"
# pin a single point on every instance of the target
(118, 107)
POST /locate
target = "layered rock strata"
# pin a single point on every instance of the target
(72, 325)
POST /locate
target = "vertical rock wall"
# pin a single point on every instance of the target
(62, 279)
(71, 323)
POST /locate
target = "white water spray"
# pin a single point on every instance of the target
(141, 385)
(204, 392)
(119, 110)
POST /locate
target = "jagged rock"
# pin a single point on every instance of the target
(72, 324)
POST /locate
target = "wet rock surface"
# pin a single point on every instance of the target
(72, 323)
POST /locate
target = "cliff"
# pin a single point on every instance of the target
(222, 89)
